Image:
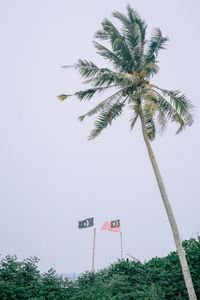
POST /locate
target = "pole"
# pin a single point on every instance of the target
(93, 251)
(121, 245)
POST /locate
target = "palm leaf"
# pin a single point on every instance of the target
(182, 109)
(134, 120)
(105, 77)
(109, 55)
(106, 117)
(151, 68)
(181, 103)
(101, 106)
(156, 43)
(134, 30)
(89, 93)
(101, 34)
(86, 94)
(118, 42)
(86, 68)
(164, 106)
(149, 125)
(161, 121)
(136, 19)
(134, 27)
(135, 106)
(177, 109)
(178, 119)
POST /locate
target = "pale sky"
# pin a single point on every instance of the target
(51, 176)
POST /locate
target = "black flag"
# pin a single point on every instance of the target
(86, 223)
(115, 223)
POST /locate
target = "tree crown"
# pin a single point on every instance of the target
(133, 60)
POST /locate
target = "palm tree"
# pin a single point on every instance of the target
(133, 62)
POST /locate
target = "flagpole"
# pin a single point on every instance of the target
(93, 251)
(121, 245)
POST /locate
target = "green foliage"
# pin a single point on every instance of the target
(157, 279)
(157, 42)
(106, 117)
(22, 281)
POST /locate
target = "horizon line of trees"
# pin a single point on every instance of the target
(156, 279)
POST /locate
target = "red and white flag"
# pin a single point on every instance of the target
(112, 226)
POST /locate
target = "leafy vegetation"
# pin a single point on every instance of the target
(157, 279)
(22, 280)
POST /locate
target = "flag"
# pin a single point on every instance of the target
(112, 226)
(86, 223)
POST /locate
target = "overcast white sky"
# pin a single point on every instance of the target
(51, 176)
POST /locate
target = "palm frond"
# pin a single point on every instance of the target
(89, 93)
(106, 117)
(109, 55)
(89, 70)
(182, 107)
(118, 43)
(178, 119)
(163, 105)
(105, 77)
(86, 94)
(156, 43)
(177, 108)
(134, 31)
(101, 34)
(134, 120)
(102, 105)
(86, 68)
(151, 68)
(180, 102)
(134, 17)
(149, 125)
(135, 107)
(134, 26)
(95, 75)
(161, 121)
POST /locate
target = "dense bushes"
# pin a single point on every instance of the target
(22, 280)
(158, 279)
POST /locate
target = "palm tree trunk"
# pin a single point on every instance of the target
(170, 215)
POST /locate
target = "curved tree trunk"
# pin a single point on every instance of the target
(172, 221)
